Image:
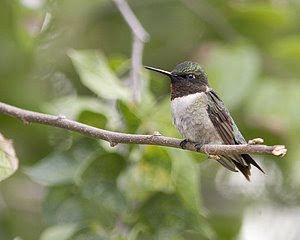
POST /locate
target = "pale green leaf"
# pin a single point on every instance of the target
(96, 75)
(59, 232)
(55, 169)
(73, 106)
(159, 119)
(8, 159)
(129, 116)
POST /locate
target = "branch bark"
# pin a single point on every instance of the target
(116, 137)
(140, 36)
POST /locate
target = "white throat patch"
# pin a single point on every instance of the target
(181, 103)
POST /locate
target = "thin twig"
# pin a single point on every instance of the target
(131, 20)
(116, 137)
(136, 64)
(140, 36)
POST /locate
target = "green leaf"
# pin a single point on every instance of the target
(60, 139)
(185, 175)
(107, 201)
(8, 159)
(105, 166)
(119, 64)
(59, 232)
(55, 169)
(164, 211)
(71, 106)
(163, 216)
(64, 205)
(150, 174)
(65, 167)
(131, 120)
(158, 118)
(92, 236)
(147, 103)
(93, 119)
(100, 189)
(97, 76)
(232, 66)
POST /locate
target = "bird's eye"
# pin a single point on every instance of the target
(191, 76)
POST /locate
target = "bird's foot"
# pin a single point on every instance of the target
(255, 141)
(214, 157)
(183, 143)
(198, 147)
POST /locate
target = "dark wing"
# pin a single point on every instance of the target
(220, 118)
(228, 131)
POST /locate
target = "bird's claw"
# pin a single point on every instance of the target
(214, 157)
(183, 143)
(255, 141)
(198, 147)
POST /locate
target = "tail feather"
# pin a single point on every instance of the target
(245, 170)
(227, 162)
(230, 162)
(250, 160)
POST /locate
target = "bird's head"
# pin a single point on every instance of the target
(186, 78)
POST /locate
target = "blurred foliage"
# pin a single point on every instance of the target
(8, 160)
(73, 58)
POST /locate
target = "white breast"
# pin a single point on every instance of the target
(191, 119)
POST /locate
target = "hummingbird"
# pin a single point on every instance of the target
(201, 117)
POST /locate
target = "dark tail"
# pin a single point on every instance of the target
(245, 170)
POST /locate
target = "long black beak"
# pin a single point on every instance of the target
(159, 70)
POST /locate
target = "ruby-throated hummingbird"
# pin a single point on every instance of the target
(201, 117)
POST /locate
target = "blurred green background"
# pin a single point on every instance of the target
(73, 58)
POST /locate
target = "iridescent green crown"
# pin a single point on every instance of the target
(188, 67)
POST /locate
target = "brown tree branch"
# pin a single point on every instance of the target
(140, 36)
(115, 137)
